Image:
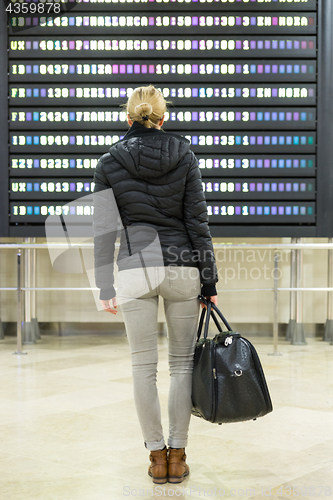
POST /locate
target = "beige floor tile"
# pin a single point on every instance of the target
(71, 445)
(305, 392)
(233, 455)
(315, 484)
(123, 410)
(287, 428)
(63, 363)
(4, 455)
(30, 385)
(74, 426)
(101, 372)
(25, 478)
(88, 397)
(19, 411)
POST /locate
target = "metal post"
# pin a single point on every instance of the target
(33, 279)
(292, 318)
(324, 203)
(298, 337)
(34, 320)
(27, 333)
(19, 305)
(275, 320)
(27, 282)
(328, 333)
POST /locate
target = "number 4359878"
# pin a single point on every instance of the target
(33, 7)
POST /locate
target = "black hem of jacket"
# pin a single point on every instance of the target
(206, 290)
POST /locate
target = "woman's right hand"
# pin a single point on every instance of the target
(213, 299)
(106, 304)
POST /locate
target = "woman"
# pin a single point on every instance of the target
(157, 188)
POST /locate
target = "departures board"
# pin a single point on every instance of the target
(251, 87)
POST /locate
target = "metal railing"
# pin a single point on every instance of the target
(296, 264)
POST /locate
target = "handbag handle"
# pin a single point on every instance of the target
(202, 317)
(209, 313)
(208, 310)
(207, 302)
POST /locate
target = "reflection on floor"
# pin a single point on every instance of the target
(69, 429)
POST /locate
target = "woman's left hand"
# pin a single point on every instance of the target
(108, 307)
(213, 299)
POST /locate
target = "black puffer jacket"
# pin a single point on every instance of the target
(156, 182)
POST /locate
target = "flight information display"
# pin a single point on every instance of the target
(155, 71)
(243, 78)
(229, 47)
(36, 165)
(46, 95)
(213, 22)
(269, 189)
(182, 118)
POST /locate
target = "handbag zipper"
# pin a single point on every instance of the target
(262, 382)
(214, 385)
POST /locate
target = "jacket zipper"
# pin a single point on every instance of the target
(128, 242)
(141, 259)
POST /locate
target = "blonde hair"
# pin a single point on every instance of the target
(147, 106)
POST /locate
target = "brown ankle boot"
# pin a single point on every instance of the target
(158, 468)
(177, 466)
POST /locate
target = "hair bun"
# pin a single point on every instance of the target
(143, 109)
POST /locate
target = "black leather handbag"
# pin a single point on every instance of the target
(228, 383)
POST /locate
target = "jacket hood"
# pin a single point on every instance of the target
(149, 153)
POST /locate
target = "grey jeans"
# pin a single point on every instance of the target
(138, 297)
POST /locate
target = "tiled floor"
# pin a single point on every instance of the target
(69, 429)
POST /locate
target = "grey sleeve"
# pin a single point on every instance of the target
(105, 223)
(196, 222)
